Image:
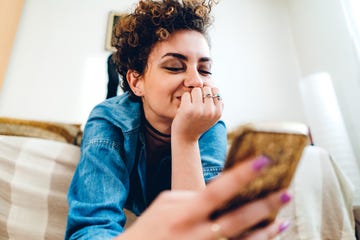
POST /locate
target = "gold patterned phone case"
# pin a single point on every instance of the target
(282, 143)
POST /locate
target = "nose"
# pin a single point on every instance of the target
(194, 79)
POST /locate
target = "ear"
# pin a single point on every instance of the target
(135, 82)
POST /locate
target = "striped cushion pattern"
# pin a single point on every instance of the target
(34, 178)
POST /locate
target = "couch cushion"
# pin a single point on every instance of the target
(322, 200)
(63, 132)
(34, 178)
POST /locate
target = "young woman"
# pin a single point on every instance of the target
(164, 132)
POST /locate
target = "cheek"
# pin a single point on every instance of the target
(163, 86)
(159, 95)
(166, 88)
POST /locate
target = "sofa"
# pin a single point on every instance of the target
(37, 163)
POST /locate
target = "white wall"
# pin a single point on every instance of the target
(57, 70)
(58, 67)
(256, 62)
(324, 44)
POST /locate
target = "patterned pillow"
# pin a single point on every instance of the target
(34, 178)
(68, 133)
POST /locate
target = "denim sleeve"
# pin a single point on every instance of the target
(98, 192)
(213, 147)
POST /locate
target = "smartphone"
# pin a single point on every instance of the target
(282, 142)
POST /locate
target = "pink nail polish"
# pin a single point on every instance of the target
(283, 226)
(285, 197)
(260, 162)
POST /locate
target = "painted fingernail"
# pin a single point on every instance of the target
(260, 162)
(283, 226)
(285, 197)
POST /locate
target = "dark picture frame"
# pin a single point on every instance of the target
(112, 20)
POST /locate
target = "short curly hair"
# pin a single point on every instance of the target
(136, 33)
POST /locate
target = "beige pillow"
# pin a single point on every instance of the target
(34, 178)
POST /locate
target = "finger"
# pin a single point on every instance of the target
(210, 109)
(253, 213)
(217, 99)
(207, 95)
(185, 99)
(196, 95)
(225, 187)
(216, 95)
(268, 232)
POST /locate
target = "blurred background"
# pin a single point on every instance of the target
(293, 60)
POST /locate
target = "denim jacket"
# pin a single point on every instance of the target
(111, 173)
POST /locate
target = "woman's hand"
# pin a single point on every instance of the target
(199, 110)
(180, 215)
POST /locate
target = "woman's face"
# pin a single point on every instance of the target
(174, 67)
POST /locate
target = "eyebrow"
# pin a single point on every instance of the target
(183, 57)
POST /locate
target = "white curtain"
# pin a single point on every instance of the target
(351, 9)
(327, 125)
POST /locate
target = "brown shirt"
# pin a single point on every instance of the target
(158, 174)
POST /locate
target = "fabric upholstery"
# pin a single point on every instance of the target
(62, 132)
(34, 177)
(322, 205)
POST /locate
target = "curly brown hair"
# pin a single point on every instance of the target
(153, 21)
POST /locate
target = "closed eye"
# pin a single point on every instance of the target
(174, 69)
(204, 72)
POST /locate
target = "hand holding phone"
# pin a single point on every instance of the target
(282, 143)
